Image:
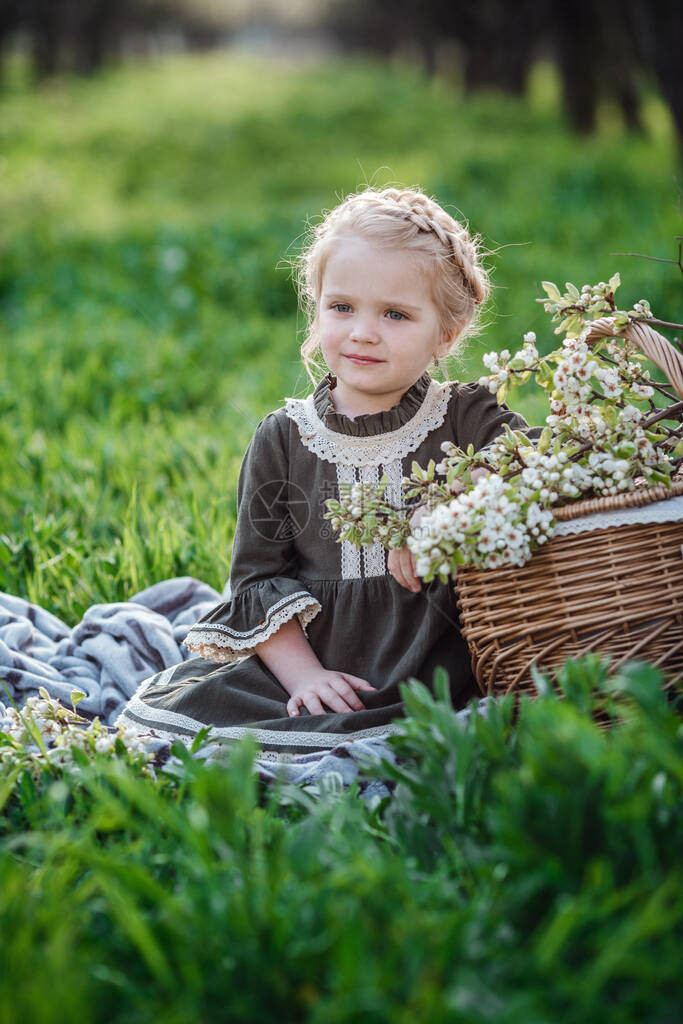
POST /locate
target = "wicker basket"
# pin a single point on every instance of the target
(613, 589)
(596, 586)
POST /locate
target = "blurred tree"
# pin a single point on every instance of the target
(498, 39)
(495, 38)
(10, 21)
(656, 29)
(597, 58)
(603, 48)
(80, 35)
(379, 26)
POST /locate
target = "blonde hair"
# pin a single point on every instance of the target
(409, 220)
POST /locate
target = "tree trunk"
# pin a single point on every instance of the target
(576, 38)
(656, 30)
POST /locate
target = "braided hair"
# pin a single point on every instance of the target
(409, 220)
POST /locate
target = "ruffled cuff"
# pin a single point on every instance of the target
(231, 631)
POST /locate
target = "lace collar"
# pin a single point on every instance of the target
(374, 438)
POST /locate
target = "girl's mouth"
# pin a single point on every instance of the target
(363, 360)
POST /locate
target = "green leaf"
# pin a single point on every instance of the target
(573, 290)
(7, 784)
(79, 756)
(442, 686)
(551, 291)
(563, 325)
(545, 440)
(199, 738)
(575, 326)
(180, 751)
(543, 685)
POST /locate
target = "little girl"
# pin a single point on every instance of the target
(317, 635)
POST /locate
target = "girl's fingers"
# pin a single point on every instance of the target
(312, 702)
(415, 579)
(338, 703)
(403, 569)
(346, 694)
(293, 706)
(408, 565)
(395, 567)
(357, 682)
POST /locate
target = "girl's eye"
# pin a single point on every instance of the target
(337, 305)
(401, 316)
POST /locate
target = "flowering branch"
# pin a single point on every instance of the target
(43, 735)
(598, 440)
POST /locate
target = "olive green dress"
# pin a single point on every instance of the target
(287, 561)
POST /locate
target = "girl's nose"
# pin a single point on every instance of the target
(363, 330)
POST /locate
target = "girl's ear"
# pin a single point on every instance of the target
(447, 340)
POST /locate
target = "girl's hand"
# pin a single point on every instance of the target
(335, 689)
(401, 562)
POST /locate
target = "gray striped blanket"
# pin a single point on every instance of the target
(117, 646)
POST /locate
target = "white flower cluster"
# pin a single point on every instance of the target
(354, 501)
(621, 449)
(642, 310)
(575, 307)
(501, 364)
(573, 374)
(594, 297)
(495, 523)
(627, 370)
(572, 378)
(59, 730)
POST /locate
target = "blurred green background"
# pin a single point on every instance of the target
(148, 318)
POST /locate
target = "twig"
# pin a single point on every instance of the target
(665, 414)
(651, 383)
(665, 323)
(659, 259)
(642, 256)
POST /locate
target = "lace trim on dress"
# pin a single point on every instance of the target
(350, 554)
(668, 511)
(171, 725)
(369, 559)
(374, 560)
(211, 642)
(348, 450)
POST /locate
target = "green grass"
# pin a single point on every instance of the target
(522, 871)
(148, 319)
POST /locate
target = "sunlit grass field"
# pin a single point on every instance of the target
(522, 869)
(148, 315)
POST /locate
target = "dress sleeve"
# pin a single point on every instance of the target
(477, 419)
(265, 592)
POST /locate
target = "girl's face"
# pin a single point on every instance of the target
(375, 303)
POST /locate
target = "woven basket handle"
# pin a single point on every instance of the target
(650, 342)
